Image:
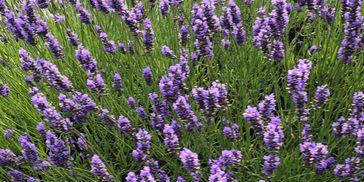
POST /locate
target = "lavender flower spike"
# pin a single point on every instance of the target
(190, 162)
(59, 154)
(148, 36)
(147, 74)
(53, 46)
(4, 90)
(98, 168)
(29, 151)
(166, 51)
(252, 115)
(117, 83)
(321, 96)
(83, 14)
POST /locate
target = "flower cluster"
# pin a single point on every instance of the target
(269, 30)
(184, 111)
(219, 168)
(353, 30)
(50, 114)
(141, 153)
(80, 106)
(296, 84)
(211, 100)
(98, 168)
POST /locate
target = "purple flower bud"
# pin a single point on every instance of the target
(16, 175)
(225, 43)
(98, 168)
(273, 134)
(271, 162)
(57, 18)
(4, 90)
(267, 107)
(83, 14)
(132, 177)
(147, 74)
(297, 79)
(141, 113)
(313, 49)
(43, 4)
(146, 175)
(41, 129)
(124, 125)
(117, 83)
(122, 48)
(54, 77)
(8, 133)
(131, 102)
(183, 35)
(164, 7)
(72, 37)
(166, 51)
(148, 36)
(81, 143)
(143, 145)
(88, 63)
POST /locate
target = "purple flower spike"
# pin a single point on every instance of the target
(8, 133)
(54, 77)
(297, 79)
(122, 47)
(43, 3)
(53, 46)
(252, 115)
(141, 113)
(59, 155)
(131, 102)
(8, 158)
(353, 39)
(124, 125)
(83, 14)
(166, 51)
(98, 168)
(321, 96)
(184, 111)
(97, 85)
(29, 150)
(267, 107)
(273, 134)
(141, 153)
(171, 139)
(271, 162)
(72, 38)
(131, 177)
(50, 114)
(4, 90)
(148, 36)
(147, 74)
(190, 162)
(164, 7)
(117, 83)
